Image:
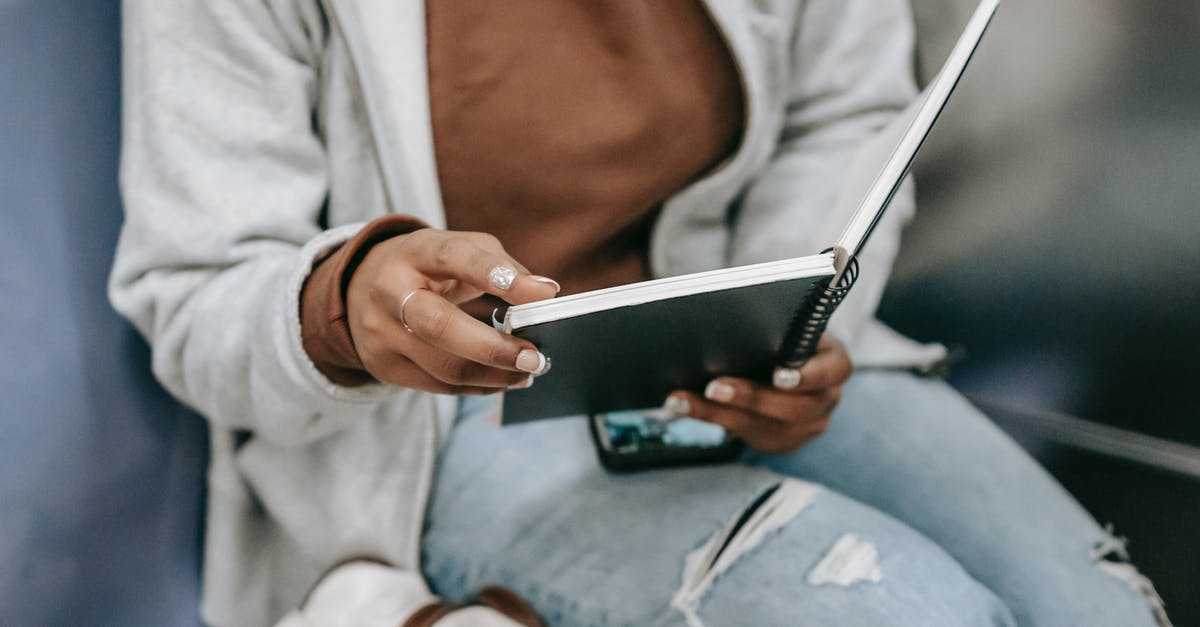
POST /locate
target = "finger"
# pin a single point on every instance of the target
(401, 371)
(440, 324)
(490, 242)
(762, 433)
(830, 366)
(791, 438)
(784, 406)
(458, 292)
(448, 255)
(736, 421)
(456, 370)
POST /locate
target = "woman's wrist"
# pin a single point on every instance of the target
(324, 330)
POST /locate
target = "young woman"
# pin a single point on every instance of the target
(324, 197)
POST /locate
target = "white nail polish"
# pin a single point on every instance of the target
(529, 360)
(786, 378)
(719, 391)
(677, 407)
(548, 281)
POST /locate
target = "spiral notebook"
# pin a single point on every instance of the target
(627, 347)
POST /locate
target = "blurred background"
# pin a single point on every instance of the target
(1056, 246)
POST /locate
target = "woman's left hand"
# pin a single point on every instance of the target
(779, 418)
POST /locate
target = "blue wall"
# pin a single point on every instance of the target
(100, 471)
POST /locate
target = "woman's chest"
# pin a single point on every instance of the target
(375, 116)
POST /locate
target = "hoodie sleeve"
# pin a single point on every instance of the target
(851, 72)
(224, 178)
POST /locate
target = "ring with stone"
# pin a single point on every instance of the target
(502, 277)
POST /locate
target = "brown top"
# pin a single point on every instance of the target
(559, 127)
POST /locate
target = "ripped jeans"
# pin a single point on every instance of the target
(913, 509)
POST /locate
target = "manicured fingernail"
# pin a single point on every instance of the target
(677, 406)
(524, 385)
(502, 277)
(786, 378)
(533, 362)
(547, 281)
(719, 391)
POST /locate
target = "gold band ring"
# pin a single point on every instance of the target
(403, 303)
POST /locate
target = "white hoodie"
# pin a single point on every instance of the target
(258, 134)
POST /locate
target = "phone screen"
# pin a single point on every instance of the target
(646, 430)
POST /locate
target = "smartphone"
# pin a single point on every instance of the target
(651, 438)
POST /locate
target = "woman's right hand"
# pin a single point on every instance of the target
(402, 308)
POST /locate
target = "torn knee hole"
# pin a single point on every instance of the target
(766, 514)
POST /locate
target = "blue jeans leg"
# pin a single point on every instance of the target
(916, 450)
(530, 508)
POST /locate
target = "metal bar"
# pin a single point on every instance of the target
(1176, 457)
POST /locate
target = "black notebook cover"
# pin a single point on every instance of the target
(633, 357)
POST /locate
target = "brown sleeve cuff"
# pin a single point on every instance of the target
(323, 326)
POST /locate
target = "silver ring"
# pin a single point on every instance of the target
(403, 303)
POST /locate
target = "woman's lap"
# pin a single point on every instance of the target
(530, 507)
(916, 450)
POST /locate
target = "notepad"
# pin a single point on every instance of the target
(628, 346)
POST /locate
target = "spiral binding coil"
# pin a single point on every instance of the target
(812, 317)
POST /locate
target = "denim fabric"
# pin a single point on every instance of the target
(966, 529)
